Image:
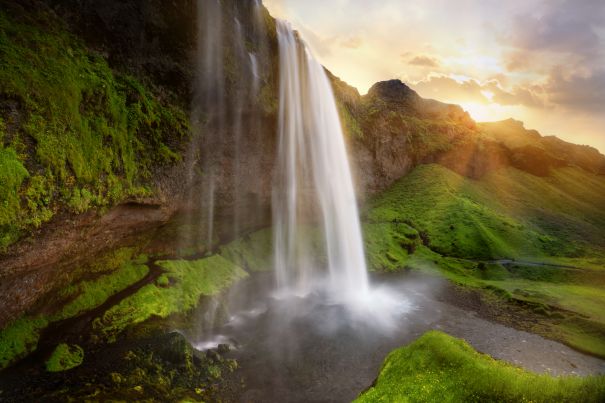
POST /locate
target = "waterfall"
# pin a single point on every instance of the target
(208, 116)
(313, 183)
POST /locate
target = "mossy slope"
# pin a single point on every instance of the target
(178, 290)
(438, 367)
(21, 336)
(508, 213)
(65, 357)
(73, 133)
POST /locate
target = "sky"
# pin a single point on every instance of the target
(539, 61)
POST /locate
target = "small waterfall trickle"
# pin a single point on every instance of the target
(313, 183)
(224, 157)
(208, 117)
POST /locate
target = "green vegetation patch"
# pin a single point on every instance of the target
(81, 136)
(253, 252)
(508, 213)
(438, 367)
(485, 234)
(179, 291)
(21, 337)
(65, 357)
(12, 175)
(90, 294)
(388, 245)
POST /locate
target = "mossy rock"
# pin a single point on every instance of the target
(85, 136)
(65, 357)
(438, 367)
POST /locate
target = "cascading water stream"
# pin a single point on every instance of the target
(318, 253)
(313, 183)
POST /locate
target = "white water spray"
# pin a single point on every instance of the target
(313, 183)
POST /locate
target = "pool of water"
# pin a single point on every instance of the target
(307, 348)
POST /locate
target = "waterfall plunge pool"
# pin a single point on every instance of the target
(307, 348)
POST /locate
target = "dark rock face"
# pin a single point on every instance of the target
(393, 92)
(153, 39)
(35, 268)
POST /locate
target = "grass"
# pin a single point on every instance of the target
(437, 221)
(21, 336)
(12, 175)
(388, 245)
(438, 367)
(84, 136)
(508, 213)
(178, 290)
(65, 357)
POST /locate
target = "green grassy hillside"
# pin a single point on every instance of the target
(438, 367)
(506, 214)
(436, 220)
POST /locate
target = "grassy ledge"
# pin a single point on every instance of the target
(178, 290)
(21, 337)
(438, 367)
(253, 252)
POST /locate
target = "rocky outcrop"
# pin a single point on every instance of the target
(536, 154)
(392, 129)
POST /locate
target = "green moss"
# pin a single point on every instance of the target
(19, 338)
(253, 252)
(97, 135)
(438, 222)
(12, 175)
(350, 124)
(189, 280)
(438, 367)
(388, 245)
(90, 294)
(65, 357)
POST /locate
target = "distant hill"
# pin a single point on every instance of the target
(508, 213)
(392, 129)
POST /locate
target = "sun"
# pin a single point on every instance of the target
(479, 112)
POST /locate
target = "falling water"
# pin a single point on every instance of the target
(208, 114)
(313, 181)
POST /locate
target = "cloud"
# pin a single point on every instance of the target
(518, 95)
(424, 61)
(351, 42)
(585, 92)
(471, 90)
(563, 26)
(448, 88)
(517, 61)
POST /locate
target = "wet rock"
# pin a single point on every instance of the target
(175, 349)
(213, 355)
(223, 348)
